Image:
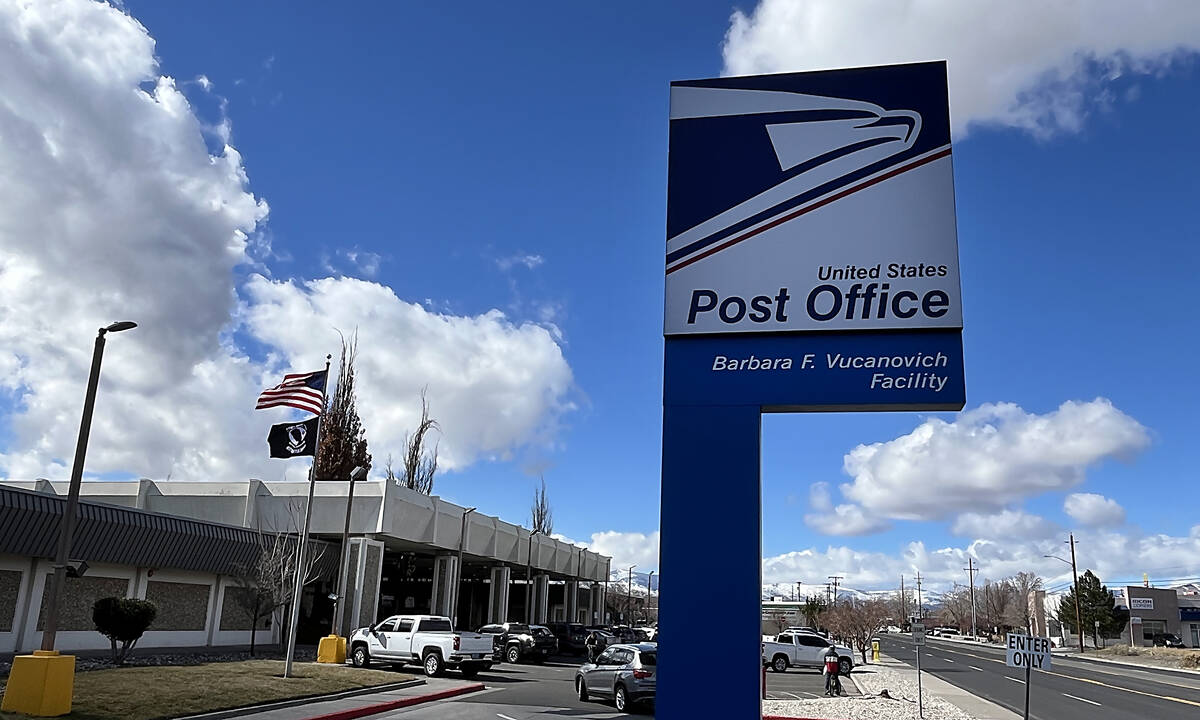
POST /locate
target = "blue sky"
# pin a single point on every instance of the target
(473, 157)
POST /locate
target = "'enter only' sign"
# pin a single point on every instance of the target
(1027, 651)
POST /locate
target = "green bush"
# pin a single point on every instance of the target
(122, 620)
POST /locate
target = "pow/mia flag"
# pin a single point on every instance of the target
(294, 439)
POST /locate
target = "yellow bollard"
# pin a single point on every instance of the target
(331, 649)
(40, 684)
(874, 651)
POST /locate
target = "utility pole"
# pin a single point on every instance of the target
(920, 605)
(903, 604)
(834, 579)
(970, 568)
(1075, 574)
(629, 595)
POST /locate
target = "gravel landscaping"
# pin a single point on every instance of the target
(901, 685)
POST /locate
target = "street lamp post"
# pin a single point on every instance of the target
(529, 579)
(629, 594)
(462, 539)
(67, 527)
(357, 474)
(1075, 575)
(649, 594)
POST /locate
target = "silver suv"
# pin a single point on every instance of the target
(624, 673)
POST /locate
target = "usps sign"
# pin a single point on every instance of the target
(811, 240)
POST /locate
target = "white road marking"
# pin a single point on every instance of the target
(1092, 702)
(793, 695)
(504, 717)
(975, 668)
(1014, 679)
(948, 660)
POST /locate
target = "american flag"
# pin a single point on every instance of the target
(304, 391)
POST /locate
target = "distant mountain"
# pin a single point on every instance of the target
(793, 591)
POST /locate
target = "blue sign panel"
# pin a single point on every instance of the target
(818, 371)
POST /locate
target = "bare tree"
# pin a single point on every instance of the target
(812, 609)
(902, 603)
(956, 607)
(266, 583)
(1025, 584)
(858, 621)
(419, 465)
(343, 439)
(999, 601)
(541, 516)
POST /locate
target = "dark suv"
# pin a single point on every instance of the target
(571, 637)
(1170, 640)
(518, 641)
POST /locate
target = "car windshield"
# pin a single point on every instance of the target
(542, 632)
(649, 658)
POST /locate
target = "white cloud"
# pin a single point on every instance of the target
(1001, 525)
(493, 385)
(845, 519)
(113, 208)
(527, 261)
(1093, 509)
(987, 459)
(1039, 66)
(625, 549)
(1113, 556)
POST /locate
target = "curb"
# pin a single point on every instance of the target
(1122, 663)
(294, 702)
(396, 704)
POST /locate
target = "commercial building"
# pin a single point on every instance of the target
(183, 544)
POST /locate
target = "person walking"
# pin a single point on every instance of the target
(833, 683)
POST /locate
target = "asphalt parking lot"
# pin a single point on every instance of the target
(519, 692)
(801, 684)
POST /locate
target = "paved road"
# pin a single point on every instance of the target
(1072, 689)
(519, 692)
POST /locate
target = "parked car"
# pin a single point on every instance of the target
(646, 634)
(1170, 640)
(426, 639)
(571, 637)
(947, 632)
(518, 641)
(803, 649)
(623, 673)
(624, 633)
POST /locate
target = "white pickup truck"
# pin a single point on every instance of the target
(426, 639)
(803, 649)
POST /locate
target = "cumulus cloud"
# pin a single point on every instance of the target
(1038, 66)
(113, 207)
(1093, 509)
(493, 385)
(987, 459)
(844, 519)
(625, 548)
(1003, 524)
(1113, 556)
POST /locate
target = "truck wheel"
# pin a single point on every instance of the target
(433, 664)
(780, 663)
(513, 654)
(845, 665)
(359, 657)
(581, 689)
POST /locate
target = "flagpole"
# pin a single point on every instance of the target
(302, 551)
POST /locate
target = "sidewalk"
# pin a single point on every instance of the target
(969, 703)
(1075, 655)
(360, 705)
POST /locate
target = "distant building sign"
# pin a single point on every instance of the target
(1141, 603)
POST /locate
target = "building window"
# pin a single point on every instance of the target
(1152, 627)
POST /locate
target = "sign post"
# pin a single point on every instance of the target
(1029, 652)
(811, 266)
(918, 633)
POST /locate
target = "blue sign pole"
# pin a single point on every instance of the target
(711, 532)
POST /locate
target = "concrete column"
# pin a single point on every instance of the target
(364, 559)
(498, 594)
(598, 603)
(445, 579)
(541, 599)
(571, 600)
(589, 606)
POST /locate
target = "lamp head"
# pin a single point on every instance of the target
(358, 473)
(119, 326)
